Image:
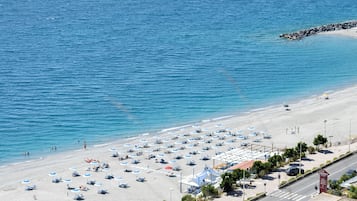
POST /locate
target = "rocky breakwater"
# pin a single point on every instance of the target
(315, 30)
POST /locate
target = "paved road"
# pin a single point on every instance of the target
(302, 190)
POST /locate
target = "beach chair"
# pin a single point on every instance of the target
(30, 188)
(75, 174)
(140, 179)
(123, 185)
(79, 197)
(56, 180)
(70, 187)
(109, 176)
(102, 191)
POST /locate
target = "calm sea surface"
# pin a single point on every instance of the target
(99, 70)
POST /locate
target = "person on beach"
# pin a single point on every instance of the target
(84, 145)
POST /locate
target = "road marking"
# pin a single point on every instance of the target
(294, 196)
(301, 198)
(287, 195)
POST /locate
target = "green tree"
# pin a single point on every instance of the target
(303, 147)
(227, 182)
(230, 178)
(334, 184)
(261, 168)
(319, 140)
(188, 198)
(290, 153)
(352, 193)
(311, 149)
(276, 160)
(209, 191)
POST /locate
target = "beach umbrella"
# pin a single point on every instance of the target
(118, 178)
(251, 128)
(161, 155)
(112, 149)
(73, 168)
(87, 175)
(97, 184)
(67, 180)
(168, 167)
(76, 190)
(25, 181)
(136, 172)
(52, 174)
(94, 163)
(124, 163)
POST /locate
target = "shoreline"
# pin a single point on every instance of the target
(177, 127)
(303, 121)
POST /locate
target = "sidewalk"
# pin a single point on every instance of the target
(273, 181)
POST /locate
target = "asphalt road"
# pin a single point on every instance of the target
(303, 189)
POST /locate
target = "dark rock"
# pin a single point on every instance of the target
(315, 30)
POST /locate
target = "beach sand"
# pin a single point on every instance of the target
(327, 114)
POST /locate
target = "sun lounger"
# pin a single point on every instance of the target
(30, 188)
(56, 180)
(70, 187)
(123, 185)
(127, 170)
(140, 179)
(91, 182)
(103, 192)
(109, 176)
(75, 174)
(79, 197)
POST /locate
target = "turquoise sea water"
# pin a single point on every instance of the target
(99, 70)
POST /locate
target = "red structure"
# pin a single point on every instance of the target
(323, 180)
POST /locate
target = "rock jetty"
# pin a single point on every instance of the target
(315, 30)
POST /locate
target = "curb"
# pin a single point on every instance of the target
(257, 197)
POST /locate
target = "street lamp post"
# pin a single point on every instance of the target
(181, 182)
(279, 179)
(331, 136)
(171, 189)
(265, 187)
(325, 126)
(243, 183)
(349, 140)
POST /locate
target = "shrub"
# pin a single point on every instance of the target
(209, 191)
(188, 198)
(311, 150)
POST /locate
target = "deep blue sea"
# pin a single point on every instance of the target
(100, 70)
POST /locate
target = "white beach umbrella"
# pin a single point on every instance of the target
(87, 175)
(67, 180)
(25, 181)
(76, 190)
(52, 174)
(118, 178)
(124, 163)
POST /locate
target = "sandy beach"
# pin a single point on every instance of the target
(154, 157)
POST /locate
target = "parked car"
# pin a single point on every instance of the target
(293, 171)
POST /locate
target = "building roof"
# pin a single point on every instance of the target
(243, 165)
